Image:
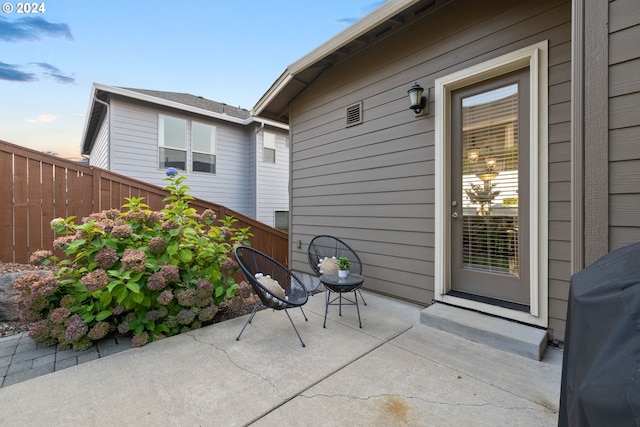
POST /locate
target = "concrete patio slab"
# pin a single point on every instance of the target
(395, 386)
(389, 372)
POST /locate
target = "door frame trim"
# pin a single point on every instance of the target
(536, 58)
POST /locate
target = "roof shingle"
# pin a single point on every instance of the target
(196, 101)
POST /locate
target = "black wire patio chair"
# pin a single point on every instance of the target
(253, 262)
(326, 246)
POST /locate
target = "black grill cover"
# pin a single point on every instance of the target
(601, 360)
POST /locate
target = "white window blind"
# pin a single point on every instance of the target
(490, 181)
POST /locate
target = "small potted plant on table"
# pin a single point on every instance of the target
(343, 267)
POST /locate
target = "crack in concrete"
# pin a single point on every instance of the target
(240, 367)
(435, 402)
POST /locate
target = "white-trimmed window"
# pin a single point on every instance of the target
(182, 142)
(281, 220)
(203, 147)
(269, 147)
(172, 143)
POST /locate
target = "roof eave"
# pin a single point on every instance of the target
(97, 88)
(385, 12)
(86, 146)
(171, 104)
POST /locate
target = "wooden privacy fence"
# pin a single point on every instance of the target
(36, 188)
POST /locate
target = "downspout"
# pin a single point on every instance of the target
(255, 168)
(95, 98)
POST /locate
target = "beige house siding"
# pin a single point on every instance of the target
(373, 184)
(624, 123)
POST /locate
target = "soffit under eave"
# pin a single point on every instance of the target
(278, 106)
(97, 112)
(300, 74)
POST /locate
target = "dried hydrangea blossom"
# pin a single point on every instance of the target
(111, 213)
(106, 258)
(203, 302)
(60, 315)
(57, 223)
(38, 256)
(96, 280)
(99, 331)
(204, 288)
(134, 260)
(140, 340)
(62, 241)
(94, 217)
(208, 214)
(155, 217)
(134, 216)
(172, 321)
(156, 282)
(157, 245)
(106, 225)
(228, 265)
(186, 316)
(154, 315)
(68, 301)
(34, 292)
(208, 313)
(81, 234)
(123, 327)
(171, 273)
(121, 231)
(169, 225)
(165, 297)
(186, 297)
(43, 331)
(226, 232)
(76, 329)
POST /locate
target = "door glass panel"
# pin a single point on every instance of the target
(490, 181)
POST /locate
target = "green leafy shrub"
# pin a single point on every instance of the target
(151, 273)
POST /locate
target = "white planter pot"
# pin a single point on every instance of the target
(343, 273)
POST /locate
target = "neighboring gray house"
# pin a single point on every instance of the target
(229, 156)
(533, 102)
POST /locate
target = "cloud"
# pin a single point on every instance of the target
(32, 28)
(55, 73)
(43, 118)
(365, 10)
(15, 74)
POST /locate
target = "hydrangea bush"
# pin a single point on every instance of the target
(152, 273)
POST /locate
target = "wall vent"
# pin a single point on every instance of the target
(354, 114)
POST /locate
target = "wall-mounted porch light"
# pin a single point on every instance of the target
(418, 102)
